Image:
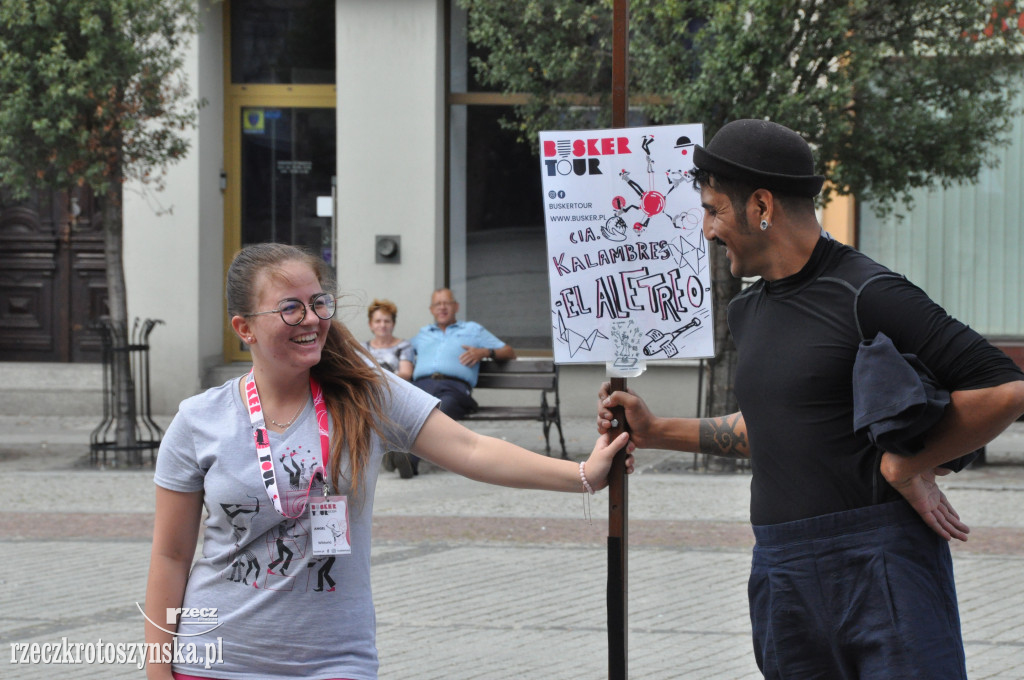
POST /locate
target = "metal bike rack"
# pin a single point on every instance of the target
(103, 438)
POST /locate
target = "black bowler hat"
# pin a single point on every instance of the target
(763, 153)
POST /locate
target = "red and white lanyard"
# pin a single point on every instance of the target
(262, 438)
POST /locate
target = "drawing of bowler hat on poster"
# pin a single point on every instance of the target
(685, 144)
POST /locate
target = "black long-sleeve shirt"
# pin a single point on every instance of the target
(797, 339)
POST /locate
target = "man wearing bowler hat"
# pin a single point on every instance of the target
(851, 574)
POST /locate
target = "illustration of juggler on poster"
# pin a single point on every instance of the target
(627, 261)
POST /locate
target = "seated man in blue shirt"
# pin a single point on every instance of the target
(448, 354)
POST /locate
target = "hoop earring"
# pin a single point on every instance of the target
(764, 225)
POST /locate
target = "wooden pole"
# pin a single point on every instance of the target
(620, 66)
(618, 553)
(618, 490)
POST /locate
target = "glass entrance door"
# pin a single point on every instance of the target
(279, 129)
(287, 171)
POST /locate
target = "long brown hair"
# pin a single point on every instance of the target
(354, 390)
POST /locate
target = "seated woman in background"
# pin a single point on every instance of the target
(397, 356)
(390, 352)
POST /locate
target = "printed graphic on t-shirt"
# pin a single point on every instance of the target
(241, 515)
(287, 541)
(284, 548)
(299, 465)
(323, 566)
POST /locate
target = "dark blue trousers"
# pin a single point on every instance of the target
(865, 593)
(455, 398)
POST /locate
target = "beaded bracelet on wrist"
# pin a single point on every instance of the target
(583, 478)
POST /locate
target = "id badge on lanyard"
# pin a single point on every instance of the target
(328, 518)
(328, 525)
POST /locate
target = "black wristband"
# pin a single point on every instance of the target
(492, 354)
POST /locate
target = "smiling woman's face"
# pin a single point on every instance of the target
(276, 345)
(382, 324)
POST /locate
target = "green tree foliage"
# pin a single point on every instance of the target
(893, 95)
(91, 91)
(92, 94)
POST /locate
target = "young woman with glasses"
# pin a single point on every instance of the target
(254, 452)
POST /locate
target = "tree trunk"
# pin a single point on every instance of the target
(719, 396)
(124, 387)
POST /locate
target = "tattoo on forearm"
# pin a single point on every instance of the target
(718, 436)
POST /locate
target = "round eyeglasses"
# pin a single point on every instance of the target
(293, 311)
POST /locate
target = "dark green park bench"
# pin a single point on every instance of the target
(540, 375)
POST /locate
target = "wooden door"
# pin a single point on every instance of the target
(52, 278)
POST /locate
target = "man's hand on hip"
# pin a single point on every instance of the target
(925, 496)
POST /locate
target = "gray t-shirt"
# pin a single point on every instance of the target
(281, 609)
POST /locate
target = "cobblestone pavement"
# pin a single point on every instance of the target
(478, 582)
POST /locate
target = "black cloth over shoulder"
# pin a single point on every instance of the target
(896, 399)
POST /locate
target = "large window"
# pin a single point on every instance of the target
(282, 41)
(497, 252)
(504, 276)
(497, 257)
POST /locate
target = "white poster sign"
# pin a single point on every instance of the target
(627, 260)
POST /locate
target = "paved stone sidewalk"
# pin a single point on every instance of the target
(491, 610)
(482, 583)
